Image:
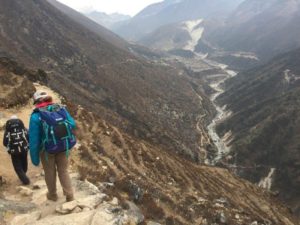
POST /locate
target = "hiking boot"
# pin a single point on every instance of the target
(26, 181)
(70, 198)
(52, 197)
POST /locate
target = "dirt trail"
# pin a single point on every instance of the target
(6, 168)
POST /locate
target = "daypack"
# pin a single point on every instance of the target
(17, 137)
(57, 132)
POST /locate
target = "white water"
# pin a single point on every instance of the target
(266, 182)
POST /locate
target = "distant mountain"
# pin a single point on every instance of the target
(265, 124)
(107, 20)
(152, 101)
(184, 36)
(173, 11)
(91, 25)
(266, 28)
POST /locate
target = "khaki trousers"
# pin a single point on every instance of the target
(57, 163)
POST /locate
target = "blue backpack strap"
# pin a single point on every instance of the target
(53, 136)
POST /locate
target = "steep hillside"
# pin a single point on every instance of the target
(266, 28)
(151, 101)
(173, 11)
(265, 125)
(167, 188)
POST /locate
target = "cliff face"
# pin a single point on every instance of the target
(152, 101)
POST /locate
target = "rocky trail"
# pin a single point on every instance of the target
(6, 168)
(91, 207)
(27, 205)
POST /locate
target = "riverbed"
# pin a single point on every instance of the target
(222, 114)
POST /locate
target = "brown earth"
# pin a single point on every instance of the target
(167, 188)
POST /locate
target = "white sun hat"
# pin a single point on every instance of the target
(14, 117)
(39, 94)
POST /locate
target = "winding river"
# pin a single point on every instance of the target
(222, 148)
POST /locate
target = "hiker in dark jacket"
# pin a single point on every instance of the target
(53, 163)
(16, 142)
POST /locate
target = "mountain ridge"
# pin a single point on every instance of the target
(154, 102)
(259, 27)
(168, 12)
(107, 20)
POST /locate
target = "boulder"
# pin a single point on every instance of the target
(102, 217)
(67, 207)
(114, 201)
(134, 213)
(152, 223)
(25, 191)
(77, 210)
(85, 186)
(92, 201)
(82, 218)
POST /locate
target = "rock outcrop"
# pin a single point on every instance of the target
(91, 207)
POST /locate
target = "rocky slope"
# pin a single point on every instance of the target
(166, 188)
(172, 11)
(153, 102)
(264, 124)
(266, 28)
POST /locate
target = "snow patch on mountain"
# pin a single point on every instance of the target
(195, 31)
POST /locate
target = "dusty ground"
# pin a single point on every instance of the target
(6, 168)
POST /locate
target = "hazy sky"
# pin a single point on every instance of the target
(129, 7)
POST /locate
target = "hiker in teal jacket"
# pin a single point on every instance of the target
(56, 163)
(36, 132)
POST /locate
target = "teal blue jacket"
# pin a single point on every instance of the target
(36, 134)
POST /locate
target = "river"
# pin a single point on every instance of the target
(222, 148)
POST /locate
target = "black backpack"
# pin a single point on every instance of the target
(17, 137)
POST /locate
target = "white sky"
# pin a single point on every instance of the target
(128, 7)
